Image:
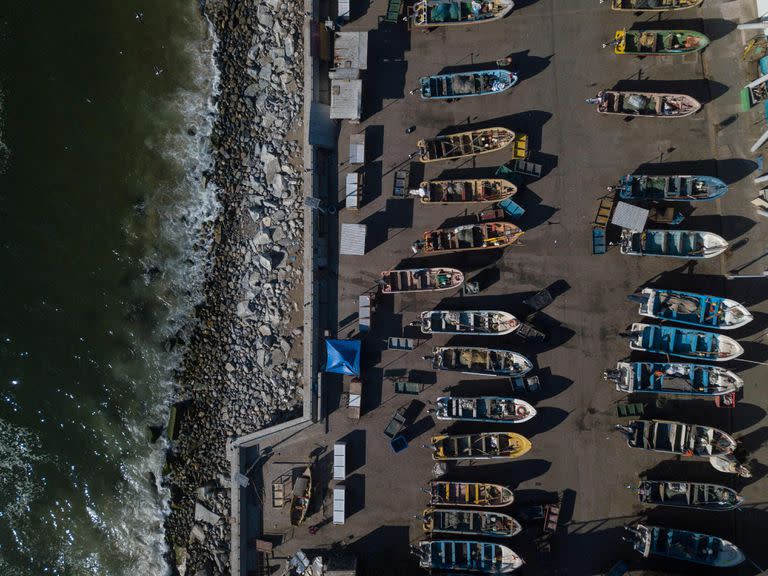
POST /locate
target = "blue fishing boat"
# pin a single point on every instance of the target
(683, 342)
(685, 545)
(671, 188)
(430, 13)
(494, 409)
(695, 309)
(673, 379)
(464, 84)
(688, 244)
(467, 555)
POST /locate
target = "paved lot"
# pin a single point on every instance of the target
(556, 46)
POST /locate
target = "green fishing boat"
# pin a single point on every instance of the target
(658, 42)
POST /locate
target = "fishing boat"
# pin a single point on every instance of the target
(428, 13)
(476, 322)
(464, 84)
(678, 438)
(658, 42)
(468, 555)
(475, 190)
(688, 244)
(302, 494)
(481, 236)
(691, 308)
(645, 104)
(673, 379)
(694, 495)
(684, 545)
(654, 5)
(480, 361)
(483, 446)
(496, 409)
(476, 494)
(683, 342)
(464, 144)
(730, 465)
(420, 280)
(482, 523)
(671, 188)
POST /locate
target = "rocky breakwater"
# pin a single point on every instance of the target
(240, 371)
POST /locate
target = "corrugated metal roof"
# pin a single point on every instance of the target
(357, 148)
(339, 504)
(352, 239)
(629, 216)
(350, 50)
(346, 99)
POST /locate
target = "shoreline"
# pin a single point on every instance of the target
(241, 370)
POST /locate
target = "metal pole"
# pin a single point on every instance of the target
(737, 276)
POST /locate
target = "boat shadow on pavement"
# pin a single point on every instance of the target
(704, 91)
(730, 170)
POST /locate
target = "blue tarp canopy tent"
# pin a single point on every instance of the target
(343, 357)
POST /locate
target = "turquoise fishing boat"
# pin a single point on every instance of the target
(695, 309)
(671, 188)
(468, 555)
(673, 378)
(684, 545)
(683, 342)
(428, 13)
(465, 84)
(688, 244)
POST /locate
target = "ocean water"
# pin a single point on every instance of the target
(106, 108)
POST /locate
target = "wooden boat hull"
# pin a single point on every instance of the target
(683, 342)
(420, 280)
(494, 409)
(302, 494)
(466, 84)
(728, 464)
(481, 523)
(481, 236)
(470, 191)
(694, 309)
(483, 446)
(480, 361)
(475, 322)
(677, 438)
(464, 144)
(475, 494)
(686, 546)
(455, 14)
(686, 244)
(691, 495)
(658, 42)
(646, 104)
(674, 379)
(671, 188)
(658, 6)
(468, 555)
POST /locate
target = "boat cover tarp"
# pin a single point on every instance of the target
(343, 357)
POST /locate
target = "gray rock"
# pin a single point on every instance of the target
(243, 309)
(288, 46)
(197, 534)
(265, 262)
(228, 367)
(278, 186)
(202, 514)
(252, 90)
(263, 16)
(265, 330)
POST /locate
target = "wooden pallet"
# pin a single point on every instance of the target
(520, 146)
(604, 211)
